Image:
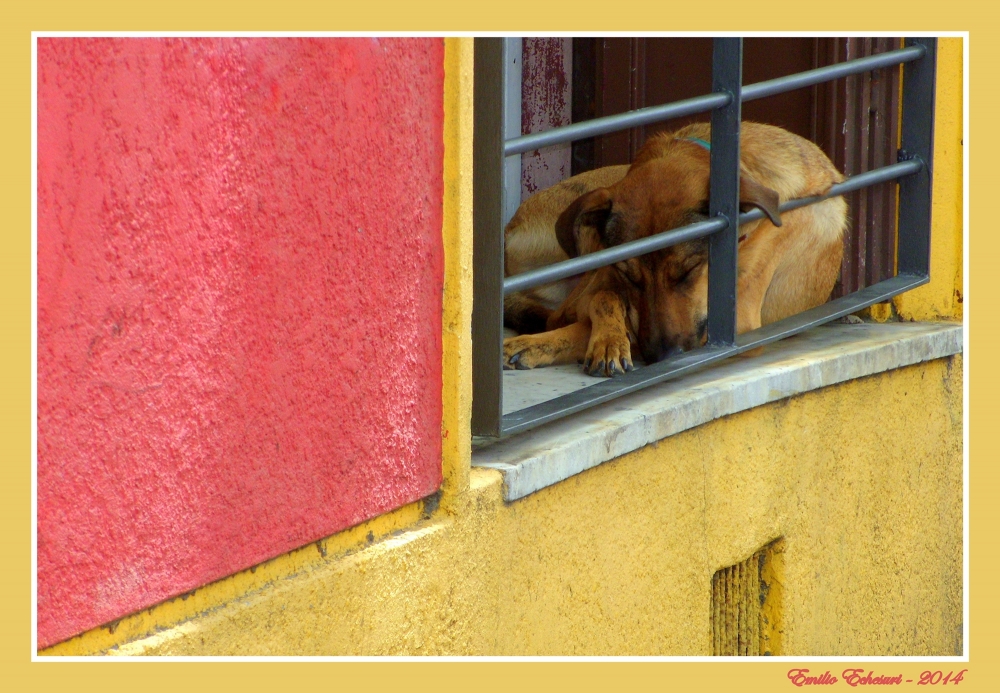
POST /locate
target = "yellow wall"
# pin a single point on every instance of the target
(456, 342)
(619, 559)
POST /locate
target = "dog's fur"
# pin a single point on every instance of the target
(530, 242)
(656, 304)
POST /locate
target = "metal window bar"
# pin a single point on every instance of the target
(724, 191)
(913, 232)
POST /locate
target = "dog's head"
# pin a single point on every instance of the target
(668, 289)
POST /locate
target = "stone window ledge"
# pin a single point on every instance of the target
(823, 356)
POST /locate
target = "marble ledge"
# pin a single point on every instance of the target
(823, 356)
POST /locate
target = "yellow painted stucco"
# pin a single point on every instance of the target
(619, 559)
(456, 342)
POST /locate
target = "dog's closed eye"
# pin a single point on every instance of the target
(686, 274)
(685, 270)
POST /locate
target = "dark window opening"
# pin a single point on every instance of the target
(846, 100)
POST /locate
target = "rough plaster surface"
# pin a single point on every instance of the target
(863, 480)
(239, 305)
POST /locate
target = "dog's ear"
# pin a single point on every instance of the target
(753, 194)
(579, 227)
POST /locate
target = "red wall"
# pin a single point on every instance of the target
(239, 304)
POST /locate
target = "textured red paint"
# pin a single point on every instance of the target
(239, 305)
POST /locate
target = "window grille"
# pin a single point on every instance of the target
(497, 148)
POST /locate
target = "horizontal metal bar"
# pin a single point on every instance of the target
(614, 123)
(832, 72)
(665, 239)
(609, 256)
(862, 180)
(837, 308)
(701, 104)
(645, 376)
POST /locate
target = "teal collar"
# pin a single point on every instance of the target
(708, 147)
(701, 142)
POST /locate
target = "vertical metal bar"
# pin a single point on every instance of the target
(512, 63)
(917, 143)
(724, 190)
(487, 245)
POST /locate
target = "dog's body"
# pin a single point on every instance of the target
(657, 303)
(530, 242)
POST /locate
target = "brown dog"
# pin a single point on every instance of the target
(657, 303)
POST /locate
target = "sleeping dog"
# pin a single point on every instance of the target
(656, 305)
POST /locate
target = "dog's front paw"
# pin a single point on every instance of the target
(525, 352)
(608, 354)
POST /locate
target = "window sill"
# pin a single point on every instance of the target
(819, 357)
